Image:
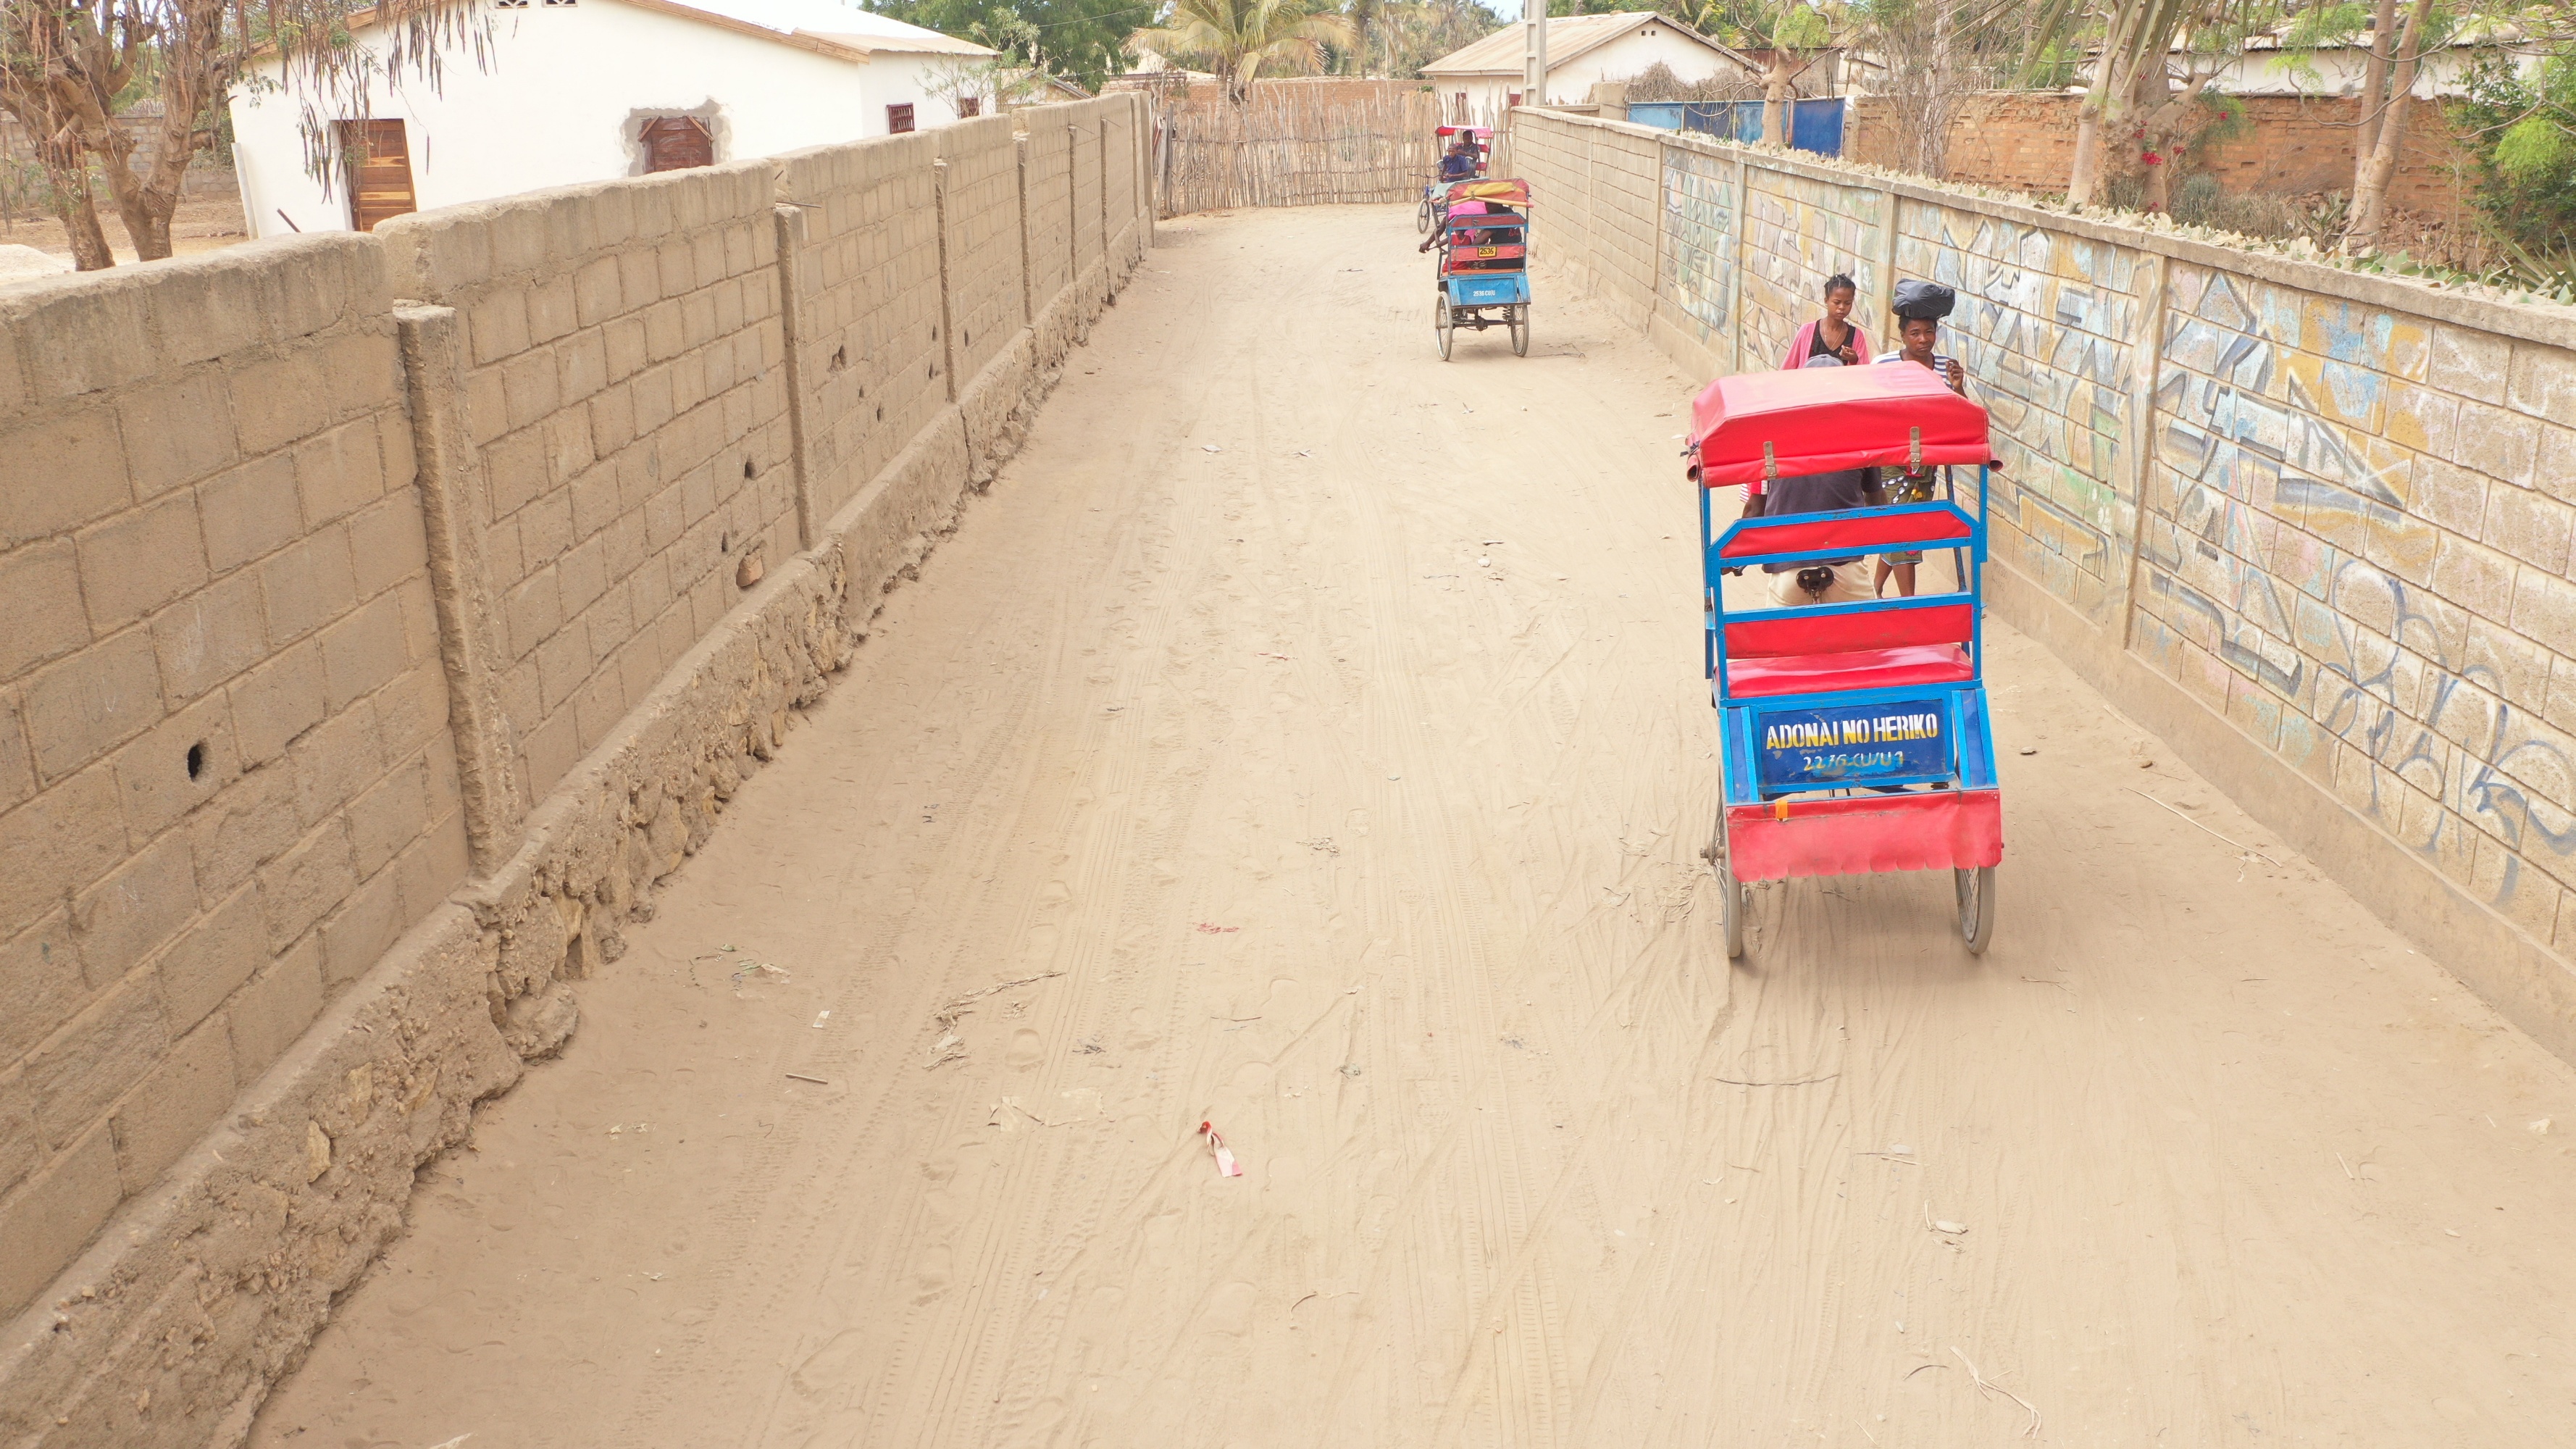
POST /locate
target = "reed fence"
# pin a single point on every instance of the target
(1295, 144)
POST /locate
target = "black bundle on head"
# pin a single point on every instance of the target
(1922, 301)
(1838, 282)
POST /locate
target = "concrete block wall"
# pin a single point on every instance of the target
(225, 781)
(294, 869)
(625, 386)
(1701, 235)
(980, 209)
(1048, 217)
(866, 272)
(2312, 526)
(1597, 209)
(2053, 326)
(2356, 548)
(1798, 231)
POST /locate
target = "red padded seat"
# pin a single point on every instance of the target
(1855, 669)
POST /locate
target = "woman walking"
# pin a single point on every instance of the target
(1833, 334)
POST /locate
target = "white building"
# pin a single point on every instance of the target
(588, 90)
(2267, 69)
(1480, 81)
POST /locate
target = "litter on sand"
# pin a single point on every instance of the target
(1225, 1164)
(1984, 1387)
(1210, 448)
(951, 1047)
(801, 1077)
(1007, 1111)
(820, 1019)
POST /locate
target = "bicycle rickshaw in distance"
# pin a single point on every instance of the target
(1480, 142)
(1854, 738)
(1484, 262)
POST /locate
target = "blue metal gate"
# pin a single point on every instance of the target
(1815, 126)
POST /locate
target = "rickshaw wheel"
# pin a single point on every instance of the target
(1733, 899)
(1422, 215)
(1440, 324)
(1976, 907)
(1520, 330)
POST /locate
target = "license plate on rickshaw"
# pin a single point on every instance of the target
(1853, 744)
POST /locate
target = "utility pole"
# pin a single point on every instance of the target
(1534, 52)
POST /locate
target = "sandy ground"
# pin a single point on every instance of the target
(201, 224)
(1323, 726)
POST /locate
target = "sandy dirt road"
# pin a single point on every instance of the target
(1323, 725)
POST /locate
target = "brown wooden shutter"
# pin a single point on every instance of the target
(378, 154)
(673, 143)
(898, 119)
(969, 107)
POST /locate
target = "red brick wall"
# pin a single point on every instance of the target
(2294, 145)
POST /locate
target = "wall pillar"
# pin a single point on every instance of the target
(1735, 263)
(2148, 354)
(791, 298)
(450, 474)
(1884, 302)
(947, 305)
(1028, 278)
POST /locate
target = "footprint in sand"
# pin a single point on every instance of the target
(1027, 1050)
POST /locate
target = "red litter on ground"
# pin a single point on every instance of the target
(1225, 1163)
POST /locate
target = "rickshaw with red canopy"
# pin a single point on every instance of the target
(1854, 738)
(1484, 262)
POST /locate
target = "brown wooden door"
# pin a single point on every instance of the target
(379, 156)
(673, 143)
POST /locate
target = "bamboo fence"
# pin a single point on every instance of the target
(1295, 144)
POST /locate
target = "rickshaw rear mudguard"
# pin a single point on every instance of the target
(1863, 834)
(1489, 289)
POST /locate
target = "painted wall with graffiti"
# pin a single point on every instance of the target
(2356, 548)
(2343, 520)
(1797, 232)
(1699, 216)
(2046, 328)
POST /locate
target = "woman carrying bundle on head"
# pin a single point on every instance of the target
(1919, 308)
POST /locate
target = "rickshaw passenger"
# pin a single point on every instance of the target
(1825, 581)
(1460, 163)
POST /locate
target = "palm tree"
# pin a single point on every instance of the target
(1243, 37)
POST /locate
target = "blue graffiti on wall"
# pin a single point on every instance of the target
(1699, 213)
(2273, 508)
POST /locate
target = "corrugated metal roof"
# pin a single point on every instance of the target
(1567, 37)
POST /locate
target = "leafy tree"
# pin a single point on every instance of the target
(2132, 96)
(1790, 33)
(2521, 125)
(1396, 37)
(1078, 39)
(69, 68)
(1930, 56)
(1239, 39)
